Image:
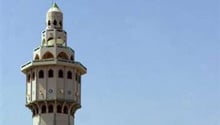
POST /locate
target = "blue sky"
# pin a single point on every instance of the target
(150, 62)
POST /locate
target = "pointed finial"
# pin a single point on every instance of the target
(55, 6)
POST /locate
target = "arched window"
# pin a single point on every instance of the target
(62, 55)
(50, 108)
(65, 110)
(48, 22)
(71, 58)
(60, 73)
(50, 73)
(41, 74)
(33, 111)
(47, 55)
(69, 75)
(43, 109)
(61, 24)
(36, 110)
(55, 22)
(36, 57)
(28, 78)
(33, 75)
(59, 108)
(49, 38)
(72, 111)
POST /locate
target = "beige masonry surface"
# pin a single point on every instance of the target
(53, 77)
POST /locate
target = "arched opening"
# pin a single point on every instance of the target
(61, 24)
(48, 23)
(60, 73)
(55, 22)
(33, 112)
(50, 73)
(71, 57)
(41, 74)
(36, 57)
(33, 75)
(43, 109)
(72, 111)
(59, 109)
(47, 55)
(65, 110)
(62, 55)
(49, 38)
(69, 75)
(36, 111)
(50, 108)
(28, 78)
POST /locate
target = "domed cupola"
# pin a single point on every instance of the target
(54, 18)
(54, 33)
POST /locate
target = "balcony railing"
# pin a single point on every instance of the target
(52, 59)
(81, 65)
(26, 64)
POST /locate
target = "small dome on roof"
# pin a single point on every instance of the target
(54, 8)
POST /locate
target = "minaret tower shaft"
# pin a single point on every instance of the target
(53, 77)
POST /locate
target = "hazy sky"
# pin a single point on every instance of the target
(150, 62)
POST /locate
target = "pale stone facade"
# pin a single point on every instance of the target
(53, 77)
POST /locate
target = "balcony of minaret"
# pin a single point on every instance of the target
(49, 56)
(52, 107)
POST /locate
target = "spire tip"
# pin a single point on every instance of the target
(55, 5)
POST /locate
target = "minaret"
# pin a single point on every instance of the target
(53, 77)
